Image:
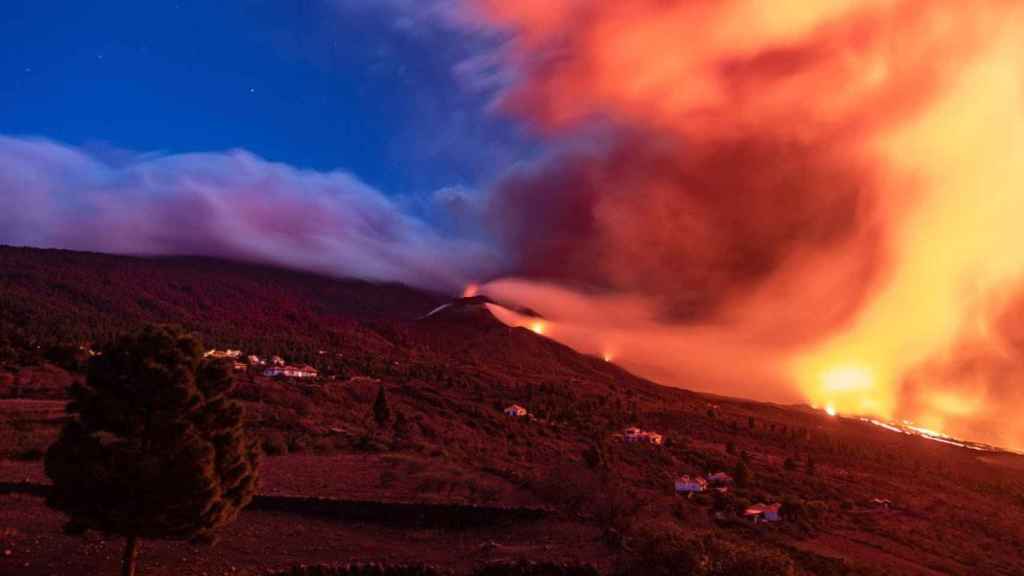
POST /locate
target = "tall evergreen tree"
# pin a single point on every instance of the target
(381, 411)
(741, 474)
(154, 448)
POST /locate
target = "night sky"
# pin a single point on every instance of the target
(369, 87)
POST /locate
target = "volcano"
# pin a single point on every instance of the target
(449, 368)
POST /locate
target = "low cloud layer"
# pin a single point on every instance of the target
(232, 204)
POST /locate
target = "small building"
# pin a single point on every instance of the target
(636, 435)
(223, 354)
(277, 361)
(254, 360)
(303, 371)
(516, 411)
(763, 512)
(690, 484)
(882, 503)
(720, 479)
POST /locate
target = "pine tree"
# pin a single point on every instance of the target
(741, 475)
(381, 411)
(154, 448)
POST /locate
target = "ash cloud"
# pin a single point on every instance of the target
(232, 204)
(777, 195)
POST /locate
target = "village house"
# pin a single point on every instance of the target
(763, 513)
(720, 479)
(883, 503)
(287, 371)
(690, 484)
(636, 435)
(223, 354)
(516, 411)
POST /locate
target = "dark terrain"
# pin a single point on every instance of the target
(448, 446)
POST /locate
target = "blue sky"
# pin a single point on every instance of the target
(365, 86)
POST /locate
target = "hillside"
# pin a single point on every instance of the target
(52, 297)
(447, 377)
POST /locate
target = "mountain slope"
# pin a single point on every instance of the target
(55, 296)
(447, 377)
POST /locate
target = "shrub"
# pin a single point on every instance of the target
(274, 443)
(664, 550)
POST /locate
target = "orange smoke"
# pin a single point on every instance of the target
(861, 269)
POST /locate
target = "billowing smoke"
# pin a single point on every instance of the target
(232, 205)
(802, 199)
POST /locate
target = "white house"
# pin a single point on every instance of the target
(883, 503)
(516, 411)
(291, 371)
(636, 435)
(720, 479)
(763, 512)
(690, 484)
(214, 353)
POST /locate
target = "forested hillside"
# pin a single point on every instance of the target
(57, 297)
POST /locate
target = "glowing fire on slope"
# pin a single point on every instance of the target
(952, 254)
(537, 327)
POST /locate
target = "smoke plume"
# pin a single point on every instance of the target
(809, 200)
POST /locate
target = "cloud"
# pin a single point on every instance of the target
(232, 204)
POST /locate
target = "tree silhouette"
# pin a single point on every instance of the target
(154, 449)
(741, 474)
(381, 411)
